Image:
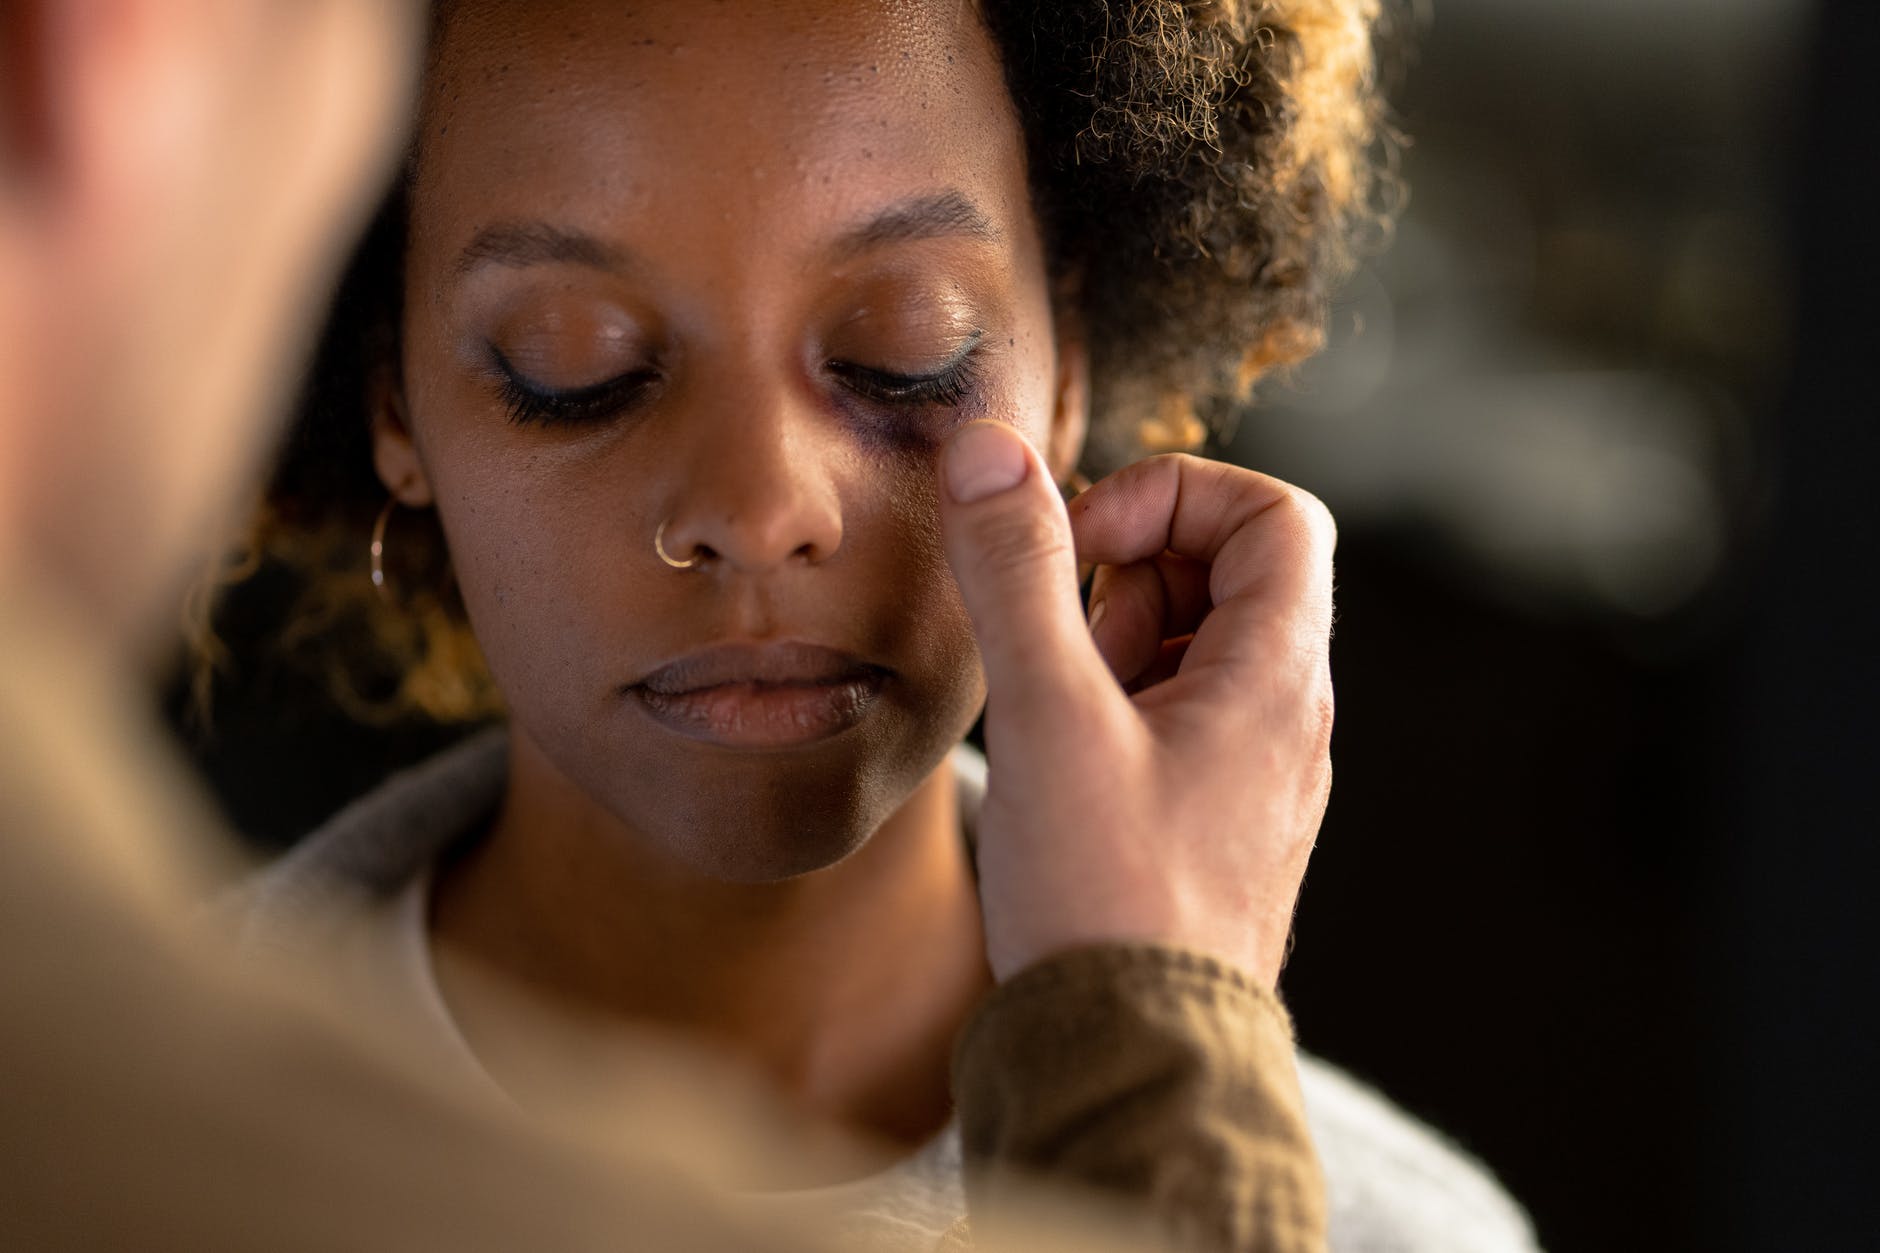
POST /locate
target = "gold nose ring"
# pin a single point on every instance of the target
(659, 546)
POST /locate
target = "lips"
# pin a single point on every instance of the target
(775, 695)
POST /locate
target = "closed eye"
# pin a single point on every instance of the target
(947, 386)
(529, 402)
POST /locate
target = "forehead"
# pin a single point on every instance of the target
(767, 115)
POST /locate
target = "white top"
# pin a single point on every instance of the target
(356, 894)
(905, 1207)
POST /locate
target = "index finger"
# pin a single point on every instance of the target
(1268, 545)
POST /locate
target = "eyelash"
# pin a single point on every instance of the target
(529, 403)
(947, 387)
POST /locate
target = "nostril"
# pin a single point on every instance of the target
(759, 535)
(695, 551)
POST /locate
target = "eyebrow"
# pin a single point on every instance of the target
(518, 245)
(942, 214)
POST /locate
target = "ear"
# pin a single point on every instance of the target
(394, 451)
(1070, 412)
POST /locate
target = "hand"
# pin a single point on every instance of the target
(1144, 786)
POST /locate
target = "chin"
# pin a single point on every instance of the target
(766, 852)
(765, 818)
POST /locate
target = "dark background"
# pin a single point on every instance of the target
(1591, 893)
(1592, 888)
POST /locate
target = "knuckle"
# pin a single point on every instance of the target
(1321, 712)
(1318, 517)
(1135, 587)
(1307, 535)
(1309, 516)
(1020, 543)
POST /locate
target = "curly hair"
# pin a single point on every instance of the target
(1204, 172)
(1205, 169)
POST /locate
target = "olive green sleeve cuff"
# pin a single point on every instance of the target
(1159, 1077)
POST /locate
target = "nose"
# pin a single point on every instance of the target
(755, 484)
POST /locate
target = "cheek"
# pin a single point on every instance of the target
(926, 598)
(537, 532)
(544, 567)
(1034, 385)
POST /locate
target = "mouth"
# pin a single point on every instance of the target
(756, 696)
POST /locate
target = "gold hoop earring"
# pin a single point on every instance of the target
(659, 547)
(378, 549)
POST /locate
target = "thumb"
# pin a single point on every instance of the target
(1009, 542)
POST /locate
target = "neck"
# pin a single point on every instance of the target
(845, 986)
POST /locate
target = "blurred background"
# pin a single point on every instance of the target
(1592, 890)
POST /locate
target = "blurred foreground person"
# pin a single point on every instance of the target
(177, 179)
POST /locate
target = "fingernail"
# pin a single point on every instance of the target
(1096, 614)
(983, 460)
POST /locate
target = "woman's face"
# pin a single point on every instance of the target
(737, 269)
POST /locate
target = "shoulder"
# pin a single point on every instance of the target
(370, 849)
(1397, 1186)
